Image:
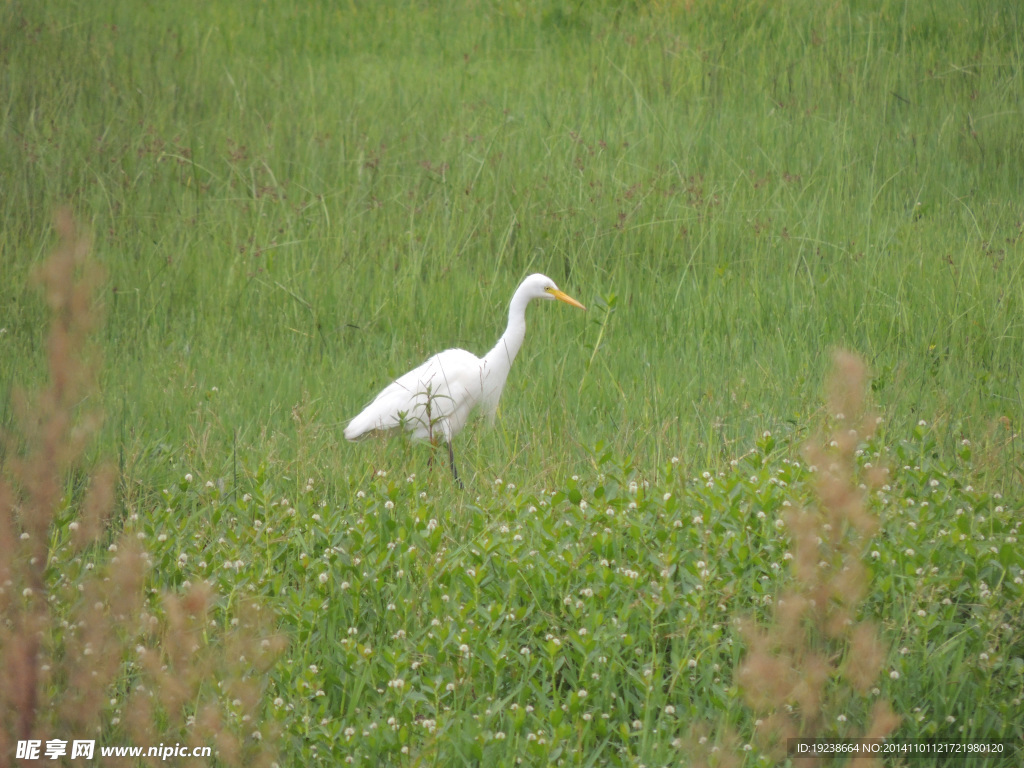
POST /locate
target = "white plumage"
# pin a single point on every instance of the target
(435, 400)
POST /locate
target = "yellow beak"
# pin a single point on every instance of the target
(564, 297)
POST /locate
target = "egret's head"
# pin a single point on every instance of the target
(543, 287)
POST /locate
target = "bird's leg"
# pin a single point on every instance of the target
(451, 459)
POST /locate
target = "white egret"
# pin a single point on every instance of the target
(434, 401)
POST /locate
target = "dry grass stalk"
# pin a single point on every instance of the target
(67, 649)
(30, 490)
(815, 654)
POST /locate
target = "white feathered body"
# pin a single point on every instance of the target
(434, 401)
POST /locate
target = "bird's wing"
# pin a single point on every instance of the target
(430, 401)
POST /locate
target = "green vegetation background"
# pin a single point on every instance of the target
(296, 202)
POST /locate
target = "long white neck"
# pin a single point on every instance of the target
(499, 359)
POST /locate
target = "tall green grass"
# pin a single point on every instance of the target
(297, 204)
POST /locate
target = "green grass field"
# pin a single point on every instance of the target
(294, 203)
